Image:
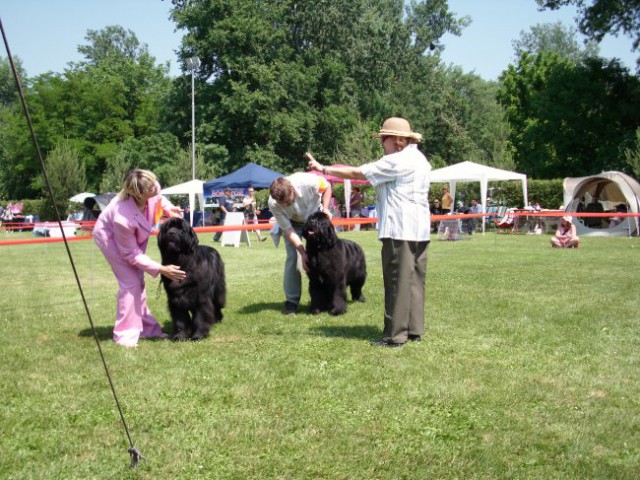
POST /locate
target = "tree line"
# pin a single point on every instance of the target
(279, 78)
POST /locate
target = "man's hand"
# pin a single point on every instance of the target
(312, 163)
(304, 259)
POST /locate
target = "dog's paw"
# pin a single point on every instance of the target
(200, 335)
(361, 299)
(337, 311)
(180, 337)
(315, 311)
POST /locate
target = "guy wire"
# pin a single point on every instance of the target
(134, 453)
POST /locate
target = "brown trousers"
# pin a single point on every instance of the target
(404, 269)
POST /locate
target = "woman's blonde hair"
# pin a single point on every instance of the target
(137, 183)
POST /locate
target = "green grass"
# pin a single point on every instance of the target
(528, 369)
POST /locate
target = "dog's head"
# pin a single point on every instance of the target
(176, 236)
(319, 231)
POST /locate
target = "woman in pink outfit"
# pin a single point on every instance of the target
(566, 236)
(122, 233)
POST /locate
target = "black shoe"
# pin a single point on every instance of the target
(385, 343)
(415, 338)
(290, 308)
(263, 239)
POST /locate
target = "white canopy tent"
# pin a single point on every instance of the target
(474, 172)
(191, 188)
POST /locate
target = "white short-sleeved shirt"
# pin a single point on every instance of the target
(401, 181)
(309, 189)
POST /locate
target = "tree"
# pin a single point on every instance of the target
(283, 77)
(66, 174)
(116, 169)
(632, 156)
(553, 37)
(117, 94)
(8, 88)
(597, 18)
(569, 119)
(113, 40)
(183, 166)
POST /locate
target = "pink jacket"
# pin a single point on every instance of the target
(124, 230)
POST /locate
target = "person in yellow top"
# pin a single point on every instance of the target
(292, 201)
(447, 200)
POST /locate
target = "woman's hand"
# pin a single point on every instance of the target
(173, 272)
(175, 212)
(312, 163)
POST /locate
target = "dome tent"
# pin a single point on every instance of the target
(93, 206)
(602, 193)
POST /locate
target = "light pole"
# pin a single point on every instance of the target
(193, 63)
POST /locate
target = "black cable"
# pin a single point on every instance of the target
(133, 452)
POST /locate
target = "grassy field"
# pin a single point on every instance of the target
(528, 369)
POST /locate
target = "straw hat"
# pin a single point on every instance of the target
(397, 127)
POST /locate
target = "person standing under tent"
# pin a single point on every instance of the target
(447, 200)
(251, 212)
(401, 179)
(476, 207)
(226, 206)
(122, 232)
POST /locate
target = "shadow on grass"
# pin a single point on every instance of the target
(106, 333)
(262, 307)
(363, 332)
(103, 333)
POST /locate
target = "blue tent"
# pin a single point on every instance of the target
(251, 175)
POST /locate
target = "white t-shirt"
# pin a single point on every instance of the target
(309, 189)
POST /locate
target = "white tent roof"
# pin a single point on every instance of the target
(474, 172)
(191, 188)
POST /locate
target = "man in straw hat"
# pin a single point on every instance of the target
(401, 179)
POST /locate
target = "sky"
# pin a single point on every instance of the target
(45, 34)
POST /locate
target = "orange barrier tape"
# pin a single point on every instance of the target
(336, 221)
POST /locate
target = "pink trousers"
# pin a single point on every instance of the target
(133, 318)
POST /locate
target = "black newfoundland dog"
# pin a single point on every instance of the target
(333, 264)
(196, 302)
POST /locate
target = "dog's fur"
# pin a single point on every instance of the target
(196, 302)
(333, 264)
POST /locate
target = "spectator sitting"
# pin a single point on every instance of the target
(566, 236)
(435, 209)
(620, 208)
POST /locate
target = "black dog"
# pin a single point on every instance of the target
(333, 264)
(196, 302)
